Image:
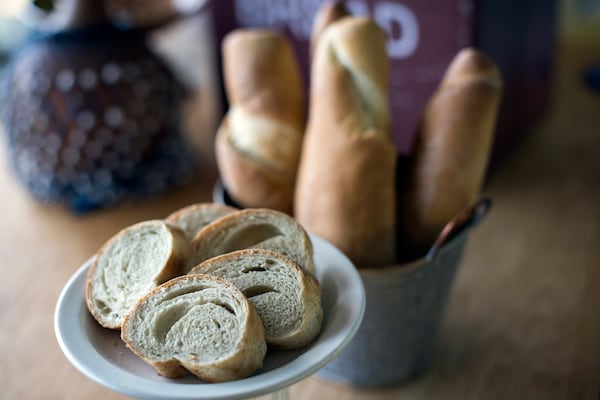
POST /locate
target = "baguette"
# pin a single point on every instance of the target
(256, 228)
(259, 140)
(287, 298)
(197, 323)
(134, 261)
(447, 166)
(345, 189)
(194, 217)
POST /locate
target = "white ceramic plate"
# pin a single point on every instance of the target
(101, 355)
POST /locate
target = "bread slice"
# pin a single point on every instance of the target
(196, 216)
(287, 297)
(197, 323)
(131, 263)
(257, 228)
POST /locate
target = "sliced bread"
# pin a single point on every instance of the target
(287, 297)
(257, 228)
(194, 217)
(131, 263)
(197, 323)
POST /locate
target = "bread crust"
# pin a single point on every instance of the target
(450, 156)
(194, 217)
(328, 12)
(250, 184)
(345, 188)
(246, 356)
(309, 295)
(250, 228)
(259, 140)
(179, 253)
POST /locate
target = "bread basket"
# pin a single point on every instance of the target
(405, 305)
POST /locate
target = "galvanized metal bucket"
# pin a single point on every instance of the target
(405, 304)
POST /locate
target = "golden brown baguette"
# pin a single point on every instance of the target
(451, 151)
(259, 141)
(345, 189)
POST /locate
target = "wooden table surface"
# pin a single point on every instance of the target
(523, 320)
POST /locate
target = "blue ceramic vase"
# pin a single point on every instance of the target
(92, 118)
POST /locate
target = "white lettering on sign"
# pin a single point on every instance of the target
(280, 14)
(357, 7)
(398, 20)
(404, 42)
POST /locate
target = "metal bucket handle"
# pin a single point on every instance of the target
(459, 225)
